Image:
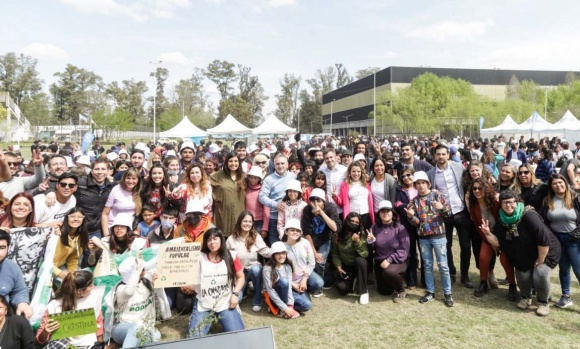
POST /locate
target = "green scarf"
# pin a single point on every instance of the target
(511, 222)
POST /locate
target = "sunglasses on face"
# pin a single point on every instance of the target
(476, 189)
(70, 185)
(524, 173)
(260, 162)
(13, 163)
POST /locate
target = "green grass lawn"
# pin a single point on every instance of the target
(487, 322)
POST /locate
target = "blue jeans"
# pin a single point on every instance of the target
(570, 257)
(126, 334)
(324, 250)
(229, 319)
(273, 231)
(439, 245)
(302, 302)
(254, 274)
(258, 225)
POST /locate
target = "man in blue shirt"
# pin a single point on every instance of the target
(11, 280)
(520, 154)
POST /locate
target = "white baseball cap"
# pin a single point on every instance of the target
(294, 184)
(385, 205)
(195, 206)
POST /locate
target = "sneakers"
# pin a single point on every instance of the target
(448, 300)
(524, 303)
(364, 299)
(428, 297)
(543, 309)
(564, 301)
(256, 308)
(399, 297)
(317, 293)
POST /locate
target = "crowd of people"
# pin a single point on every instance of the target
(284, 220)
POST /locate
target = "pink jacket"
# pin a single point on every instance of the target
(260, 212)
(344, 201)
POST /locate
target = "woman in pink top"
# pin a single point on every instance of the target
(123, 198)
(355, 194)
(260, 212)
(291, 206)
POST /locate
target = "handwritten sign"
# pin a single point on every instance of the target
(74, 323)
(178, 264)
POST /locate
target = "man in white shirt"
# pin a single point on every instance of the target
(446, 178)
(335, 174)
(53, 216)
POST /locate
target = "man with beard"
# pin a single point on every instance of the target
(316, 155)
(10, 185)
(187, 153)
(408, 160)
(241, 152)
(137, 160)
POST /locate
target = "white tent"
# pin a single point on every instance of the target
(229, 126)
(508, 128)
(537, 127)
(184, 129)
(568, 126)
(272, 125)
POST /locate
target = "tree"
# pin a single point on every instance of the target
(160, 74)
(287, 100)
(366, 72)
(237, 106)
(309, 114)
(252, 92)
(342, 76)
(513, 88)
(129, 97)
(112, 121)
(223, 75)
(38, 109)
(18, 76)
(72, 92)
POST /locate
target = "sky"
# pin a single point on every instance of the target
(117, 39)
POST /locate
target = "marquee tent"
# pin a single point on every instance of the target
(230, 126)
(508, 128)
(537, 127)
(568, 126)
(184, 129)
(272, 125)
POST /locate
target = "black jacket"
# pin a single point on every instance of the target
(92, 199)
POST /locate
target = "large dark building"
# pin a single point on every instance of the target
(349, 107)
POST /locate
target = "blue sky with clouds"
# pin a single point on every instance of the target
(118, 38)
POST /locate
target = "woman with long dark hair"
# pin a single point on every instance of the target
(229, 193)
(16, 331)
(349, 252)
(74, 240)
(484, 205)
(561, 212)
(73, 294)
(157, 188)
(221, 279)
(355, 194)
(195, 186)
(249, 245)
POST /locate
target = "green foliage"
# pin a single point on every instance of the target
(160, 74)
(72, 92)
(112, 122)
(222, 74)
(310, 116)
(3, 112)
(18, 76)
(239, 108)
(129, 96)
(287, 100)
(366, 72)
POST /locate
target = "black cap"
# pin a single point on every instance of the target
(346, 152)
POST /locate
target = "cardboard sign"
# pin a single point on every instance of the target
(178, 264)
(74, 323)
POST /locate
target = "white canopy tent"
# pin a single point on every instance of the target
(184, 129)
(568, 126)
(230, 126)
(536, 126)
(272, 125)
(508, 128)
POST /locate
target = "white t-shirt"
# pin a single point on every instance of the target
(56, 213)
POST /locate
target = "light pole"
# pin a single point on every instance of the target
(310, 127)
(331, 102)
(155, 104)
(346, 117)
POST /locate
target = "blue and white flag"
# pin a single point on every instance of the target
(87, 140)
(481, 120)
(83, 118)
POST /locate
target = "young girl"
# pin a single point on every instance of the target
(124, 198)
(355, 194)
(134, 306)
(303, 178)
(318, 181)
(301, 255)
(157, 189)
(277, 276)
(73, 294)
(74, 239)
(148, 222)
(291, 206)
(260, 212)
(248, 244)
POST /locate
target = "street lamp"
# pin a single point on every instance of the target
(155, 104)
(346, 117)
(310, 127)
